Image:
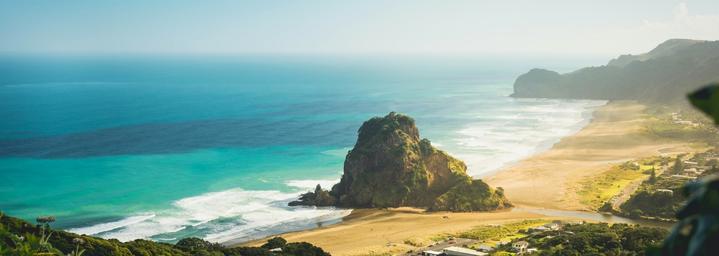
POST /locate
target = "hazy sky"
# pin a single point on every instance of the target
(532, 27)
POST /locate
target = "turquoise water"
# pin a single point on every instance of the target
(164, 148)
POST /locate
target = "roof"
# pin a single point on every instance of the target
(521, 243)
(463, 250)
(432, 252)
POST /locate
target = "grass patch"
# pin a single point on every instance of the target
(496, 233)
(416, 242)
(599, 189)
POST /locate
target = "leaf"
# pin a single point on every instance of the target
(706, 99)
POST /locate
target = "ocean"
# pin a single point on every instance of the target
(167, 147)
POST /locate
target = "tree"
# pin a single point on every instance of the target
(653, 176)
(678, 167)
(275, 242)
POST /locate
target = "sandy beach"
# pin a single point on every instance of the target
(550, 179)
(367, 231)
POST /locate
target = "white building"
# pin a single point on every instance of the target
(520, 247)
(485, 248)
(683, 177)
(431, 253)
(459, 251)
(667, 191)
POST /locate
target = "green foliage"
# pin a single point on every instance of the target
(697, 231)
(497, 232)
(472, 195)
(648, 201)
(303, 249)
(595, 239)
(275, 242)
(652, 176)
(706, 99)
(678, 165)
(652, 198)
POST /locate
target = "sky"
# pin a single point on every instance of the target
(417, 27)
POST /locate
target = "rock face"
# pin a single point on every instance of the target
(319, 197)
(664, 74)
(390, 166)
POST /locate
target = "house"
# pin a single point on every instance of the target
(531, 250)
(485, 248)
(691, 163)
(666, 191)
(520, 247)
(692, 172)
(459, 251)
(278, 249)
(538, 229)
(554, 226)
(431, 253)
(683, 177)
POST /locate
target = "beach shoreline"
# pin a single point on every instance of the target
(546, 182)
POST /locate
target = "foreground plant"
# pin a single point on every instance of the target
(697, 231)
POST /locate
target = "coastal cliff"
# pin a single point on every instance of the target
(390, 166)
(664, 74)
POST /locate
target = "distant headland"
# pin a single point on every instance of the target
(664, 74)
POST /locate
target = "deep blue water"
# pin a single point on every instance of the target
(168, 147)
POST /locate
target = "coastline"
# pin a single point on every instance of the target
(541, 186)
(551, 179)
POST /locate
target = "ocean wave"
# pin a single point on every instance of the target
(253, 213)
(494, 139)
(104, 227)
(311, 184)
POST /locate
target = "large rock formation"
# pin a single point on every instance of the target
(390, 166)
(664, 74)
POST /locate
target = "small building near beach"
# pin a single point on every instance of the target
(683, 177)
(459, 251)
(669, 192)
(520, 247)
(485, 248)
(432, 253)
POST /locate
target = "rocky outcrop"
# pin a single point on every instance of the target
(390, 166)
(319, 197)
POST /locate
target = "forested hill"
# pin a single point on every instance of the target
(665, 74)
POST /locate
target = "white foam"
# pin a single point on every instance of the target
(311, 184)
(258, 210)
(508, 134)
(103, 227)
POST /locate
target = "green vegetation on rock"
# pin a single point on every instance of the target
(471, 195)
(390, 166)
